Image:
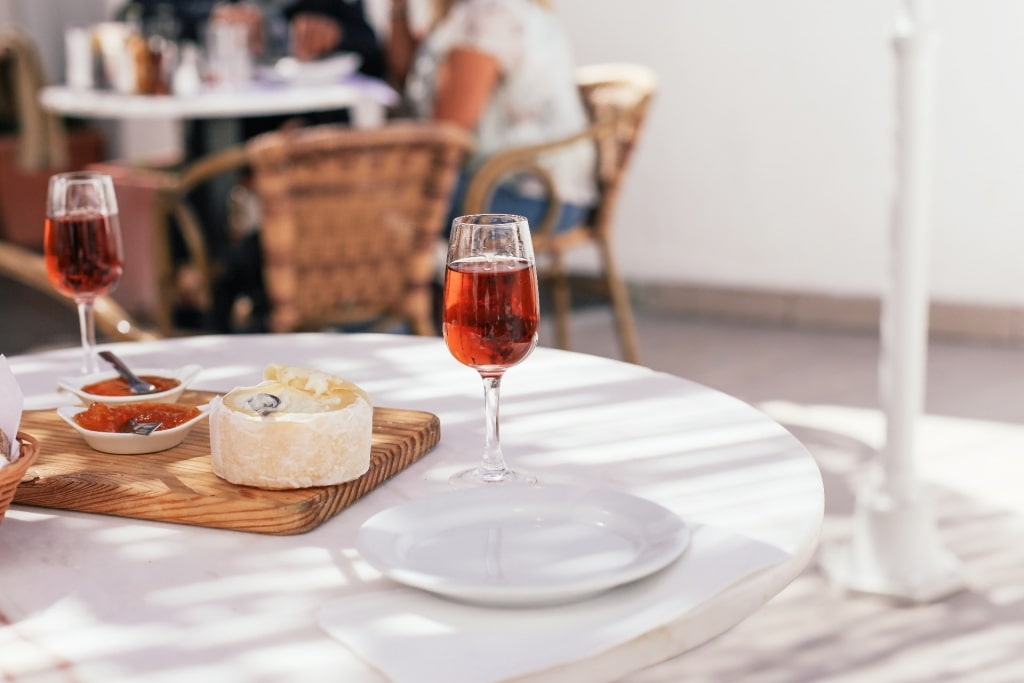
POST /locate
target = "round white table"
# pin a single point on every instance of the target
(107, 599)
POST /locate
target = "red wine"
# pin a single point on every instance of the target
(83, 254)
(491, 312)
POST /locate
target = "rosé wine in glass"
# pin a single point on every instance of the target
(491, 317)
(491, 312)
(82, 246)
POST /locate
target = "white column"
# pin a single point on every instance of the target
(895, 549)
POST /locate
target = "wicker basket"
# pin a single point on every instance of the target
(10, 475)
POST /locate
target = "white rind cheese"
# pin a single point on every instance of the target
(315, 429)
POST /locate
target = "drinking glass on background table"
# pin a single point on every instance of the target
(228, 52)
(82, 245)
(491, 317)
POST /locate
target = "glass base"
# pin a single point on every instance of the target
(478, 476)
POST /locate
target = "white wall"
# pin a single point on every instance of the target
(768, 162)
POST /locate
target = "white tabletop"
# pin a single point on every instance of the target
(365, 96)
(95, 598)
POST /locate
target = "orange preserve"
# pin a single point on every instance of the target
(99, 417)
(119, 387)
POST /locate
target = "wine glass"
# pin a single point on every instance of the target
(82, 246)
(491, 316)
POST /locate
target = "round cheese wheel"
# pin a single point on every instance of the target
(295, 429)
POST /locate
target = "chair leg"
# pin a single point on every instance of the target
(621, 307)
(561, 299)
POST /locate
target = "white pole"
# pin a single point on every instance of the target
(895, 549)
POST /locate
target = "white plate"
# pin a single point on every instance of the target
(131, 444)
(185, 375)
(520, 545)
(323, 71)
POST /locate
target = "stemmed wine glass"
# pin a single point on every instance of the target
(491, 316)
(82, 245)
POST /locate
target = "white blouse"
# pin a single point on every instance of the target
(535, 100)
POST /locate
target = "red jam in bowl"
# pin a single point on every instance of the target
(119, 387)
(100, 417)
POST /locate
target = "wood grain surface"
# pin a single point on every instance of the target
(178, 485)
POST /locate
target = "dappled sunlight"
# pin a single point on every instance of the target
(858, 640)
(260, 597)
(976, 458)
(79, 636)
(248, 586)
(635, 450)
(211, 628)
(409, 625)
(138, 544)
(812, 631)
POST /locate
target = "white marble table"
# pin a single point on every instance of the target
(91, 598)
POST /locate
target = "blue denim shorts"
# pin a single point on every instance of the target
(507, 200)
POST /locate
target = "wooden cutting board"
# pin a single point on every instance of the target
(178, 485)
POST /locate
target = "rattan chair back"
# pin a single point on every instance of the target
(351, 219)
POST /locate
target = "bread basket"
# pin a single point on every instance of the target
(11, 475)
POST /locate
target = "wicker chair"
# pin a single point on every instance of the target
(351, 219)
(617, 98)
(29, 268)
(157, 200)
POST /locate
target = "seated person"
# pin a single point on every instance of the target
(503, 70)
(320, 27)
(316, 28)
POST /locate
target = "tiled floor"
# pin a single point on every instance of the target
(823, 386)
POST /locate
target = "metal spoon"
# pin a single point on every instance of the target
(136, 385)
(133, 426)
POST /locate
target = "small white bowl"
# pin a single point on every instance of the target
(184, 375)
(131, 444)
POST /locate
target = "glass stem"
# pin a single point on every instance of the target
(87, 325)
(493, 465)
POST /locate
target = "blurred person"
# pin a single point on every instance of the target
(317, 28)
(503, 70)
(314, 28)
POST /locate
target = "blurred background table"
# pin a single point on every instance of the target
(366, 98)
(139, 171)
(98, 598)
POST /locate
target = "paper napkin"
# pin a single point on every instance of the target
(11, 404)
(406, 633)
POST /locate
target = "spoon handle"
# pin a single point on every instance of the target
(138, 386)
